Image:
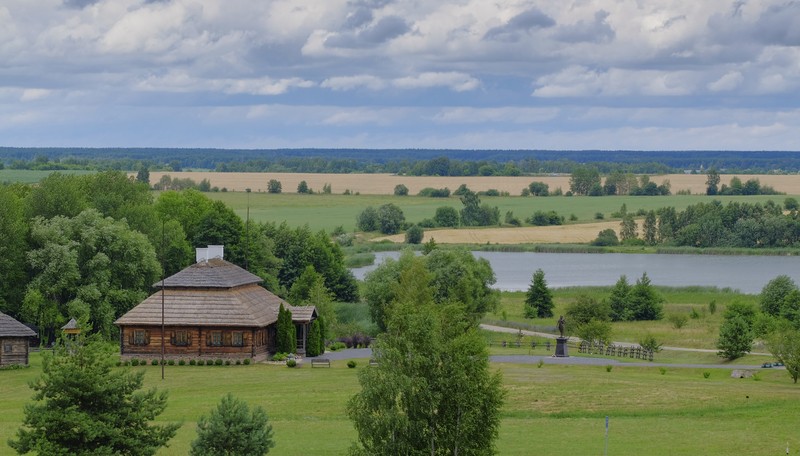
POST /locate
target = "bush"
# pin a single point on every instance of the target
(649, 342)
(351, 364)
(609, 367)
(606, 237)
(414, 235)
(280, 356)
(541, 218)
(447, 216)
(291, 363)
(134, 362)
(192, 362)
(337, 346)
(154, 362)
(181, 363)
(435, 192)
(119, 363)
(246, 361)
(227, 362)
(706, 374)
(663, 370)
(171, 362)
(540, 363)
(678, 320)
(274, 186)
(400, 190)
(597, 215)
(238, 362)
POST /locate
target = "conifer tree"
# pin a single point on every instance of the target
(539, 299)
(286, 338)
(313, 339)
(233, 429)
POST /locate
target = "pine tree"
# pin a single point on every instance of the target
(83, 405)
(313, 339)
(286, 338)
(233, 429)
(539, 299)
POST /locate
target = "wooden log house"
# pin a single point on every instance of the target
(212, 309)
(14, 341)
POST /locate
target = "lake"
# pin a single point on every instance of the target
(514, 270)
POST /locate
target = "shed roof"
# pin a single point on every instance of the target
(71, 324)
(303, 314)
(212, 273)
(10, 327)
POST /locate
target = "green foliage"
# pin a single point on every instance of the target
(538, 189)
(539, 298)
(13, 246)
(81, 402)
(585, 309)
(791, 204)
(233, 428)
(712, 182)
(286, 339)
(454, 276)
(583, 178)
(400, 190)
(595, 332)
(735, 337)
(511, 219)
(774, 294)
(475, 214)
(414, 235)
(291, 362)
(650, 229)
(431, 192)
(274, 186)
(638, 302)
(351, 364)
(784, 344)
(367, 219)
(432, 390)
(447, 216)
(302, 187)
(649, 342)
(429, 246)
(628, 229)
(678, 320)
(314, 340)
(86, 262)
(606, 237)
(712, 306)
(390, 219)
(541, 218)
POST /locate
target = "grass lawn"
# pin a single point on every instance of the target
(698, 332)
(548, 410)
(27, 176)
(326, 212)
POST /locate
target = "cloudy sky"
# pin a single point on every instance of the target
(500, 74)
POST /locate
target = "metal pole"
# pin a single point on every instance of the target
(247, 232)
(162, 300)
(606, 450)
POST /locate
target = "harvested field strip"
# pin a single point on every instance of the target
(579, 233)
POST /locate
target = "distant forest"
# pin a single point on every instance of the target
(414, 162)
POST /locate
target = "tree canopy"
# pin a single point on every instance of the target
(233, 429)
(83, 405)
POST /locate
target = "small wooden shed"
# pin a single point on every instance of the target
(14, 341)
(71, 328)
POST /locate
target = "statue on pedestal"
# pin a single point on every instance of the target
(561, 323)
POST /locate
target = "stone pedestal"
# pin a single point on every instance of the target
(561, 348)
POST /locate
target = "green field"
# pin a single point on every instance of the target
(26, 176)
(698, 332)
(326, 212)
(548, 410)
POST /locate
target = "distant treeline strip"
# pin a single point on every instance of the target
(431, 162)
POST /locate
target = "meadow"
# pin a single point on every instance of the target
(328, 211)
(553, 409)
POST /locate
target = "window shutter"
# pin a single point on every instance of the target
(172, 339)
(147, 337)
(189, 337)
(131, 339)
(208, 339)
(227, 339)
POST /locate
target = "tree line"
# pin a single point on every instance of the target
(92, 246)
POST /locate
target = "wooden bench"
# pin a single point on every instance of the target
(319, 362)
(373, 362)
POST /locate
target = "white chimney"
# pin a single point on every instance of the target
(215, 251)
(201, 255)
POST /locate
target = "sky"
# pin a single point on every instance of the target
(462, 74)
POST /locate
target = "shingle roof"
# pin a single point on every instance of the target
(302, 313)
(214, 273)
(71, 324)
(10, 327)
(248, 305)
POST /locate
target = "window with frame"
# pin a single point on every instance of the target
(181, 338)
(8, 348)
(215, 339)
(140, 337)
(237, 339)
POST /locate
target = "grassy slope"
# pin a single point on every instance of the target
(329, 211)
(555, 409)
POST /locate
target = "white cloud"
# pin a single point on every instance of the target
(456, 81)
(354, 82)
(728, 81)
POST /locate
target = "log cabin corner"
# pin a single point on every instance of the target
(211, 309)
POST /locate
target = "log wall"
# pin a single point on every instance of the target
(13, 350)
(257, 343)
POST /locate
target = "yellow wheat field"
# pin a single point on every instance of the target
(383, 184)
(561, 234)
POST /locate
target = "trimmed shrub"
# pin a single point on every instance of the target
(246, 361)
(227, 362)
(218, 362)
(154, 362)
(171, 362)
(291, 363)
(238, 362)
(134, 362)
(351, 364)
(192, 362)
(181, 363)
